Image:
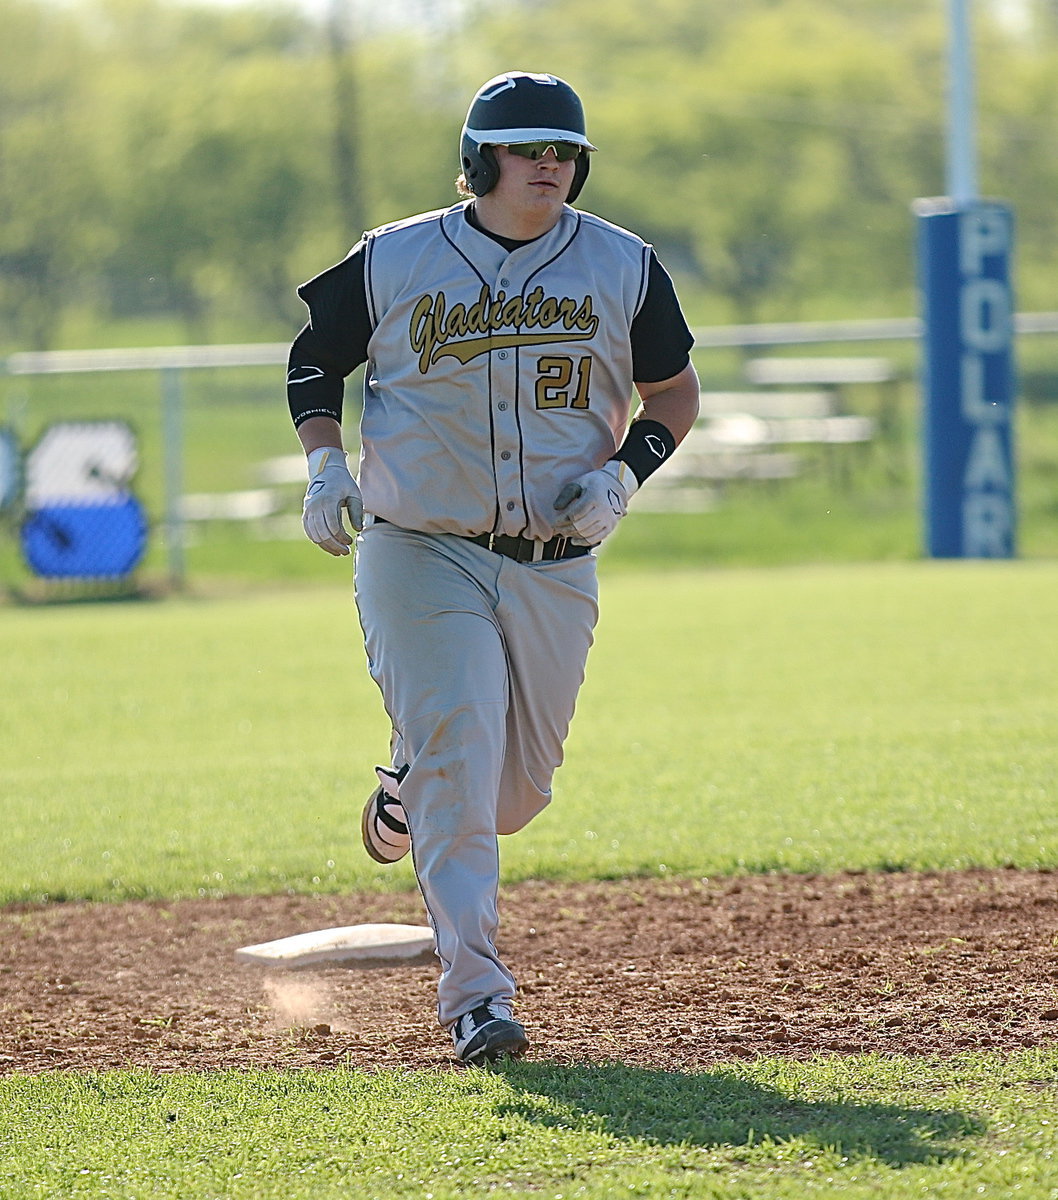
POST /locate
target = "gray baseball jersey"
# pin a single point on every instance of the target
(494, 377)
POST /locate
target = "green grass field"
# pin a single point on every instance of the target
(801, 719)
(895, 716)
(856, 1127)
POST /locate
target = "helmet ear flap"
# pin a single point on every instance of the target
(579, 176)
(480, 168)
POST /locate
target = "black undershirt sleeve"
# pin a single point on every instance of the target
(661, 340)
(333, 343)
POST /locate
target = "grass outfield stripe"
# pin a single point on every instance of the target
(855, 1127)
(798, 719)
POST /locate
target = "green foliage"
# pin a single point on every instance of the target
(781, 159)
(213, 172)
(51, 186)
(802, 719)
(886, 1128)
(199, 160)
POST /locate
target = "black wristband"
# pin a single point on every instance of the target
(647, 445)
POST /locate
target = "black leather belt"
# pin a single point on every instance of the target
(522, 549)
(525, 550)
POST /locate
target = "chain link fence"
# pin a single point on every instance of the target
(124, 471)
(116, 466)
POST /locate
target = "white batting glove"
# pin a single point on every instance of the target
(592, 505)
(331, 488)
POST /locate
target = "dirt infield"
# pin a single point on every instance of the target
(654, 973)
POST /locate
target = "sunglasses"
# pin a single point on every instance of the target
(564, 151)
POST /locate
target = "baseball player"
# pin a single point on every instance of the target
(502, 336)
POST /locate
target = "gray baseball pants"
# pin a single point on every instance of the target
(479, 660)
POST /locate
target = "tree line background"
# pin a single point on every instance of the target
(171, 172)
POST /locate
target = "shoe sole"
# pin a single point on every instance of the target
(502, 1046)
(365, 831)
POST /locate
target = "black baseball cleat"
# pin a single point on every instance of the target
(384, 826)
(488, 1035)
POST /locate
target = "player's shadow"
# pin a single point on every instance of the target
(720, 1108)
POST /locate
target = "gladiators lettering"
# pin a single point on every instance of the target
(437, 330)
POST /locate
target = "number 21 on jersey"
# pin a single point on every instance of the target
(563, 382)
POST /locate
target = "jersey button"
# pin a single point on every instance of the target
(505, 455)
(502, 354)
(505, 283)
(502, 406)
(510, 506)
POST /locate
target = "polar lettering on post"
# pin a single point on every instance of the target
(968, 337)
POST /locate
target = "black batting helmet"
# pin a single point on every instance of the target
(520, 107)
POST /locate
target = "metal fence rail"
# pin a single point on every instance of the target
(149, 358)
(775, 333)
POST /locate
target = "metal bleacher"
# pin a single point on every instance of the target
(759, 434)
